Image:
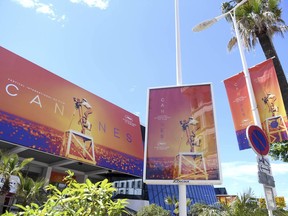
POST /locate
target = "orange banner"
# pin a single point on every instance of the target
(240, 107)
(43, 111)
(181, 142)
(268, 99)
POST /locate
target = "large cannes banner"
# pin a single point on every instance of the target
(181, 144)
(268, 99)
(42, 111)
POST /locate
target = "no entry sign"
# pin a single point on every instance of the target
(258, 140)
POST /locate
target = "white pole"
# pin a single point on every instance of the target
(178, 48)
(181, 187)
(182, 200)
(254, 108)
(246, 73)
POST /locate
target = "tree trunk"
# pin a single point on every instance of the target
(269, 51)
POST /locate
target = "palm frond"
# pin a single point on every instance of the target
(232, 43)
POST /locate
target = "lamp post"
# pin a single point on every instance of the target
(181, 187)
(207, 24)
(254, 109)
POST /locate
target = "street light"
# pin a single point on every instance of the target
(207, 24)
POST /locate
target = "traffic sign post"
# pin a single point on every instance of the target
(264, 165)
(260, 145)
(258, 140)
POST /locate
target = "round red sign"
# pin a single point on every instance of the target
(258, 140)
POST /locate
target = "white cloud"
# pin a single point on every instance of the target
(26, 3)
(41, 8)
(279, 169)
(247, 171)
(101, 4)
(48, 9)
(238, 176)
(45, 9)
(239, 169)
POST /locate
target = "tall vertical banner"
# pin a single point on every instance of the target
(42, 111)
(268, 99)
(240, 107)
(181, 144)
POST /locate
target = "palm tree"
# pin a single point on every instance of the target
(259, 21)
(246, 204)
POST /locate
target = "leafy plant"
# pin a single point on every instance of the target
(279, 151)
(173, 201)
(153, 210)
(31, 191)
(77, 199)
(10, 164)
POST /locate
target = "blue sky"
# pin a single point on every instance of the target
(118, 49)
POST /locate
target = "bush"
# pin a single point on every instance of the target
(153, 210)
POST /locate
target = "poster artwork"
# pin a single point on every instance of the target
(47, 113)
(181, 142)
(268, 99)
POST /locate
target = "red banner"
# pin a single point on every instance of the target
(268, 99)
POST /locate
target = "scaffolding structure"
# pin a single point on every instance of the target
(190, 165)
(78, 146)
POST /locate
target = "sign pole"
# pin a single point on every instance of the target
(261, 146)
(254, 108)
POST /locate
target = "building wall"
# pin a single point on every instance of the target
(196, 193)
(158, 193)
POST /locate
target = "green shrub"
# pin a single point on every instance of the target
(77, 199)
(153, 210)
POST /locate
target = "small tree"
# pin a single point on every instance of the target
(77, 199)
(246, 204)
(200, 209)
(175, 203)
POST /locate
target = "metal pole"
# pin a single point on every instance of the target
(181, 187)
(246, 73)
(254, 108)
(182, 200)
(178, 47)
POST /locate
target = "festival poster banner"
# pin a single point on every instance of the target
(268, 99)
(240, 107)
(45, 112)
(181, 145)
